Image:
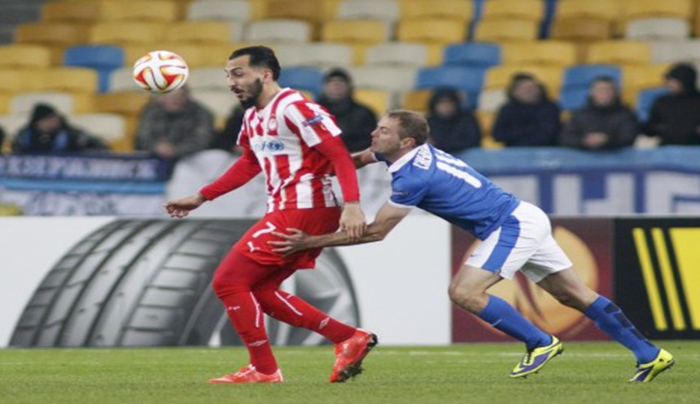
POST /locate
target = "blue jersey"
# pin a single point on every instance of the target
(449, 188)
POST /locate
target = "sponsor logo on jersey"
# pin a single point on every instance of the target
(272, 145)
(313, 120)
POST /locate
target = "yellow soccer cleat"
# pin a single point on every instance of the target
(536, 358)
(646, 372)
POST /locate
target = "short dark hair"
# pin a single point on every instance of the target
(260, 56)
(411, 124)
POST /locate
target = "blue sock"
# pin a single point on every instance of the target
(610, 319)
(504, 317)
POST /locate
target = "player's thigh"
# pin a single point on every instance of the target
(548, 259)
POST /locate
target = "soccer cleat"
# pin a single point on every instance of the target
(646, 372)
(536, 358)
(349, 355)
(249, 375)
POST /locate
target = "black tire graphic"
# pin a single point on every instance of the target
(148, 283)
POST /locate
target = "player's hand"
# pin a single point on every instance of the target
(181, 207)
(291, 243)
(352, 221)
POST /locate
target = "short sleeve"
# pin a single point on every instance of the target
(311, 122)
(407, 192)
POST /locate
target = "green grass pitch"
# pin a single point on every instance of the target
(592, 373)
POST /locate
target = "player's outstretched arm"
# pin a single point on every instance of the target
(183, 206)
(296, 240)
(363, 158)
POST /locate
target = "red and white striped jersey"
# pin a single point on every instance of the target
(282, 136)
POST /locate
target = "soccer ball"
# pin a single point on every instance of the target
(160, 71)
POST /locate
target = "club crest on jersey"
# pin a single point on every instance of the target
(272, 124)
(313, 120)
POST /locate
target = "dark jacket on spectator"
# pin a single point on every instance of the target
(355, 120)
(456, 133)
(617, 121)
(227, 138)
(520, 124)
(675, 118)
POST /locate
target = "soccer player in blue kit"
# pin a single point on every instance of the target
(515, 236)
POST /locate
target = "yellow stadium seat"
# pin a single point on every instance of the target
(52, 33)
(644, 76)
(486, 120)
(364, 32)
(126, 33)
(199, 32)
(550, 53)
(655, 8)
(4, 108)
(25, 56)
(379, 101)
(500, 76)
(453, 9)
(531, 10)
(582, 29)
(506, 30)
(619, 52)
(18, 80)
(152, 11)
(416, 100)
(66, 103)
(431, 30)
(129, 103)
(67, 79)
(313, 11)
(601, 9)
(86, 11)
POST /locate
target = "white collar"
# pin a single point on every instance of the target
(396, 165)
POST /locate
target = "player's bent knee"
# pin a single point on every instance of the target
(465, 298)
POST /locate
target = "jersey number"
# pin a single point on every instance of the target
(455, 167)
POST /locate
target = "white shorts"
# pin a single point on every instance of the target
(524, 241)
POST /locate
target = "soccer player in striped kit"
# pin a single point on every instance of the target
(296, 143)
(515, 236)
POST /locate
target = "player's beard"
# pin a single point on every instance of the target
(255, 90)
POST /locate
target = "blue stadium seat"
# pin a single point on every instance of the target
(103, 58)
(302, 78)
(583, 75)
(470, 80)
(573, 98)
(473, 54)
(646, 98)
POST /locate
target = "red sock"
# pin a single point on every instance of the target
(295, 311)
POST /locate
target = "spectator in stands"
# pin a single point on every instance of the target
(529, 118)
(675, 118)
(452, 129)
(174, 126)
(356, 120)
(49, 132)
(604, 123)
(226, 138)
(2, 139)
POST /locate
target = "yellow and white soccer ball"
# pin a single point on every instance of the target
(161, 71)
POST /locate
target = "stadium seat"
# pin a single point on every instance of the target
(278, 30)
(619, 52)
(78, 11)
(128, 103)
(65, 103)
(506, 30)
(326, 55)
(581, 29)
(486, 120)
(444, 9)
(12, 123)
(367, 32)
(209, 78)
(646, 98)
(573, 98)
(531, 10)
(220, 10)
(658, 28)
(16, 80)
(220, 102)
(302, 78)
(397, 54)
(126, 33)
(311, 11)
(467, 79)
(198, 32)
(383, 10)
(638, 77)
(431, 30)
(500, 76)
(393, 78)
(416, 100)
(655, 8)
(24, 56)
(51, 33)
(75, 80)
(156, 11)
(583, 75)
(492, 100)
(121, 79)
(675, 51)
(109, 127)
(599, 9)
(473, 54)
(102, 58)
(549, 53)
(379, 101)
